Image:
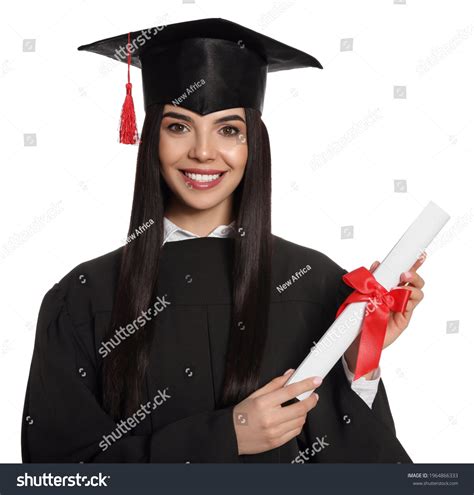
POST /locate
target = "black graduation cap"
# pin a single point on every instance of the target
(204, 65)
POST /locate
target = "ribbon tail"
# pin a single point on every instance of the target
(371, 342)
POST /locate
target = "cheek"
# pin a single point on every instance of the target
(170, 150)
(236, 156)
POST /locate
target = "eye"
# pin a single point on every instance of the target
(178, 128)
(229, 130)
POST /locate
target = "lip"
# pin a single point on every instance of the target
(194, 184)
(202, 171)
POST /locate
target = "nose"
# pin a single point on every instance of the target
(203, 149)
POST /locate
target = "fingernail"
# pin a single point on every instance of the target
(317, 380)
(316, 395)
(288, 371)
(407, 275)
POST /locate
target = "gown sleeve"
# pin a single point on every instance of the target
(342, 427)
(63, 420)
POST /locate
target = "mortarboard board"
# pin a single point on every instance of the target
(204, 65)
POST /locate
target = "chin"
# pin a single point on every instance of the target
(202, 203)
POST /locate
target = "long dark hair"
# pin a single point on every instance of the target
(124, 369)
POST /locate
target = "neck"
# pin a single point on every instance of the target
(199, 222)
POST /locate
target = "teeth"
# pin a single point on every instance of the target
(201, 177)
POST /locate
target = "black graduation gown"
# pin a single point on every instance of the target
(63, 420)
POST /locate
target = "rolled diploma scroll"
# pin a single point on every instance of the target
(340, 335)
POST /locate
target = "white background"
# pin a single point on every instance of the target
(340, 139)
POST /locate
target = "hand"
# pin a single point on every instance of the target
(397, 321)
(262, 424)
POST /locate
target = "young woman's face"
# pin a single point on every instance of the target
(203, 158)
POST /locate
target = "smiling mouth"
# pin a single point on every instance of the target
(201, 179)
(203, 175)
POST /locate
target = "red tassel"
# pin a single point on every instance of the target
(128, 122)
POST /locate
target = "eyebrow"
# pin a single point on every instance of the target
(187, 118)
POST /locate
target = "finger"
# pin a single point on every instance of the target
(419, 261)
(288, 436)
(284, 394)
(294, 411)
(374, 266)
(413, 278)
(291, 425)
(401, 320)
(413, 302)
(417, 280)
(416, 296)
(274, 384)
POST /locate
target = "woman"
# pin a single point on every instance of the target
(172, 348)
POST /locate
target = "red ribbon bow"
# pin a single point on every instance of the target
(374, 324)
